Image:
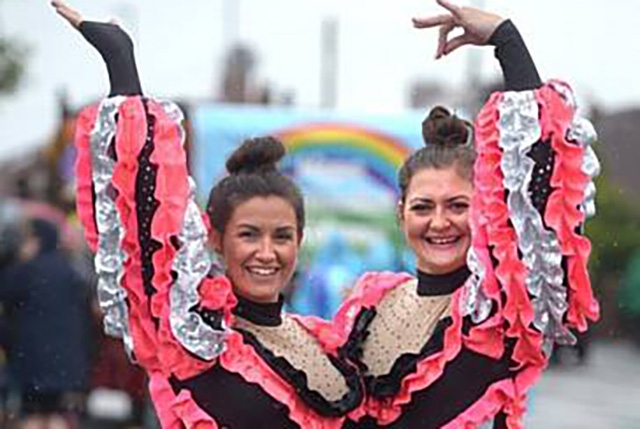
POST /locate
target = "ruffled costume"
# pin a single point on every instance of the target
(214, 360)
(525, 286)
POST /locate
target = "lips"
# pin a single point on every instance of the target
(443, 241)
(262, 271)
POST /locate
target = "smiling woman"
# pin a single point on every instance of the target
(435, 194)
(257, 216)
(501, 266)
(219, 351)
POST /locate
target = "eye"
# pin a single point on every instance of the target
(420, 207)
(247, 234)
(459, 207)
(284, 236)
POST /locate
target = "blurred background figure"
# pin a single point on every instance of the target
(47, 314)
(629, 298)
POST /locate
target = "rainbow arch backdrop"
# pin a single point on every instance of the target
(380, 155)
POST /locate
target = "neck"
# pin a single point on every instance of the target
(260, 313)
(441, 284)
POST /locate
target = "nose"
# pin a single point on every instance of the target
(439, 219)
(266, 250)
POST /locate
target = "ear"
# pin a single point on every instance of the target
(215, 240)
(400, 212)
(300, 238)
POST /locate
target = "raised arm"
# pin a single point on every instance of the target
(137, 204)
(532, 194)
(481, 28)
(113, 44)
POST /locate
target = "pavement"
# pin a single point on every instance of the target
(602, 393)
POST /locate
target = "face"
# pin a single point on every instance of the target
(435, 219)
(260, 247)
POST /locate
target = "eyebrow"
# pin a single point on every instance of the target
(448, 200)
(255, 228)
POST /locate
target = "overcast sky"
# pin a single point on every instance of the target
(180, 44)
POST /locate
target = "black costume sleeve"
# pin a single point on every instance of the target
(518, 68)
(116, 49)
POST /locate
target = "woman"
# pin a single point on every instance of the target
(219, 351)
(501, 270)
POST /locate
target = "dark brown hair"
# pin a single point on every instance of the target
(253, 173)
(448, 142)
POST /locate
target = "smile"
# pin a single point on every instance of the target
(262, 271)
(442, 241)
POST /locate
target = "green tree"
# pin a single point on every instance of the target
(12, 64)
(614, 231)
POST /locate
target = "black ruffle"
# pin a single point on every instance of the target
(298, 379)
(389, 385)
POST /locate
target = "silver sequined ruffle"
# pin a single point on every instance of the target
(519, 130)
(192, 264)
(475, 301)
(583, 132)
(110, 258)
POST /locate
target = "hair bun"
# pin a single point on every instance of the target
(258, 154)
(444, 129)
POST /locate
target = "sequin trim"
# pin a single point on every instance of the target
(519, 130)
(192, 263)
(110, 256)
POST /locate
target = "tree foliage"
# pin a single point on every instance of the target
(12, 63)
(615, 231)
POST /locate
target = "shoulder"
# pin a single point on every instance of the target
(373, 286)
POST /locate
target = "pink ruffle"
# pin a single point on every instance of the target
(369, 291)
(177, 411)
(562, 214)
(322, 330)
(490, 222)
(172, 194)
(509, 396)
(84, 180)
(130, 138)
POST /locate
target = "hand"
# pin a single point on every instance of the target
(477, 24)
(71, 15)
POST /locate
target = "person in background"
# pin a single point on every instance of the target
(48, 313)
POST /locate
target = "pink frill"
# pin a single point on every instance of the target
(562, 216)
(84, 179)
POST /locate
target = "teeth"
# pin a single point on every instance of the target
(442, 240)
(262, 271)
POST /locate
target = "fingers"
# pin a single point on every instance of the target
(442, 39)
(456, 42)
(432, 21)
(71, 15)
(449, 6)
